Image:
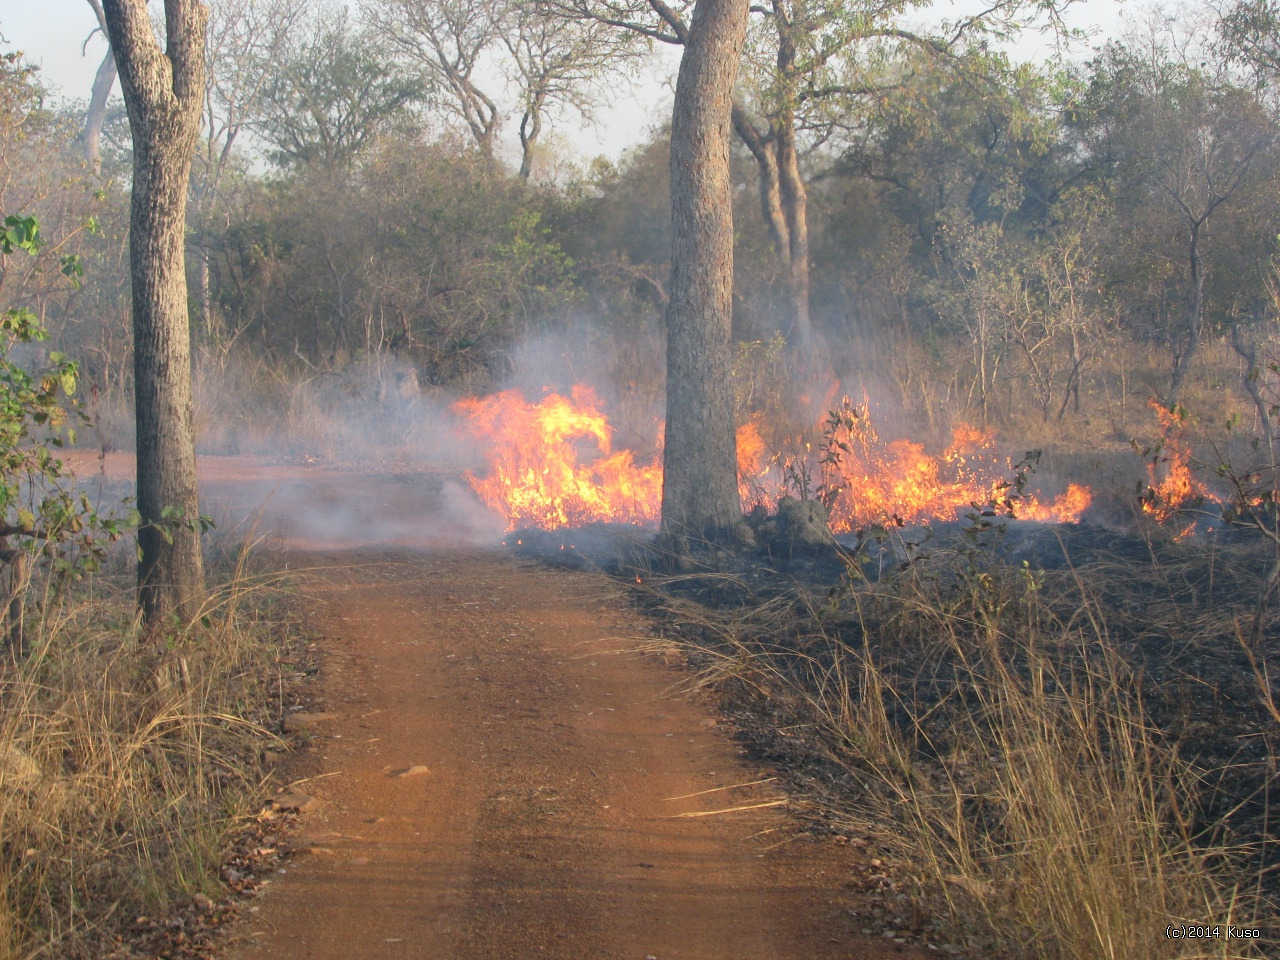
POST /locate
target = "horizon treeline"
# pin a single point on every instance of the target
(962, 235)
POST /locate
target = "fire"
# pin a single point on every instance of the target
(552, 464)
(864, 479)
(1066, 508)
(755, 482)
(1173, 487)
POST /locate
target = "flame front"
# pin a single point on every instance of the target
(866, 480)
(1173, 487)
(551, 464)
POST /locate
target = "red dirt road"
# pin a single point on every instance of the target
(504, 776)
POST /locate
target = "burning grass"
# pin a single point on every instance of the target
(126, 768)
(1071, 763)
(552, 463)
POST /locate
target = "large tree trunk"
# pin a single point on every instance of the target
(700, 480)
(163, 92)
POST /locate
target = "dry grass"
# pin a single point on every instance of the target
(124, 767)
(995, 724)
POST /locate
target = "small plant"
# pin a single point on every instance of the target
(42, 519)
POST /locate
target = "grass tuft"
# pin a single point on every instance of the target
(1042, 749)
(126, 767)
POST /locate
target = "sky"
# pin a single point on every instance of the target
(53, 34)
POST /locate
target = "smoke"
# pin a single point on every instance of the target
(366, 455)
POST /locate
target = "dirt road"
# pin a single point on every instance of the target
(501, 774)
(504, 776)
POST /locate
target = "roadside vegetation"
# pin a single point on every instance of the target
(134, 770)
(133, 757)
(1059, 763)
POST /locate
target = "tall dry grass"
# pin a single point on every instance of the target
(125, 766)
(993, 723)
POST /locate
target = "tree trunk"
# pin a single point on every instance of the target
(700, 479)
(96, 115)
(1253, 372)
(103, 81)
(1195, 321)
(795, 206)
(204, 293)
(784, 206)
(530, 130)
(163, 91)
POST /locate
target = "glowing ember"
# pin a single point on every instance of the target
(552, 464)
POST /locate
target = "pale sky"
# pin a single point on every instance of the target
(52, 34)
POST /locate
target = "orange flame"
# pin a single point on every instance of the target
(552, 465)
(865, 479)
(1172, 486)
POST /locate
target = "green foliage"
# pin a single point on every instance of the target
(40, 514)
(438, 258)
(20, 233)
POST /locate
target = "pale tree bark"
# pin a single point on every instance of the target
(552, 61)
(163, 92)
(560, 62)
(700, 479)
(96, 115)
(784, 204)
(783, 193)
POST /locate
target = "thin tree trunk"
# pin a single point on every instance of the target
(761, 147)
(103, 81)
(530, 130)
(795, 208)
(784, 206)
(1248, 352)
(96, 115)
(700, 480)
(163, 91)
(1195, 319)
(204, 292)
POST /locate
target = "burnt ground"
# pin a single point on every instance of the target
(1184, 637)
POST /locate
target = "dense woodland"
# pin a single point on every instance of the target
(959, 234)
